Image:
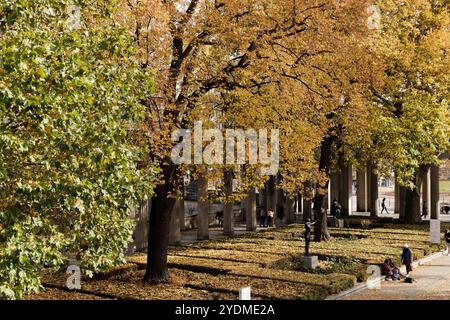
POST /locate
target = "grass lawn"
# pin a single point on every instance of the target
(267, 261)
(444, 186)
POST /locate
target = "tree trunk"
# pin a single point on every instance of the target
(412, 197)
(306, 201)
(181, 212)
(159, 227)
(412, 206)
(289, 210)
(320, 228)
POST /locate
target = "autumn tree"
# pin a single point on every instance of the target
(243, 64)
(70, 96)
(411, 103)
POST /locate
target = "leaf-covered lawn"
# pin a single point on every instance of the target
(267, 261)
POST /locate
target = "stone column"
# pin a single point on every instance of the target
(279, 201)
(271, 194)
(426, 194)
(401, 202)
(264, 198)
(250, 211)
(346, 194)
(374, 201)
(334, 186)
(182, 211)
(228, 215)
(202, 209)
(434, 203)
(289, 210)
(175, 228)
(361, 191)
(181, 214)
(396, 196)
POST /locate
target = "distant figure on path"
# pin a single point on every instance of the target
(280, 212)
(424, 210)
(270, 216)
(447, 240)
(263, 218)
(407, 258)
(383, 206)
(445, 209)
(336, 209)
(219, 218)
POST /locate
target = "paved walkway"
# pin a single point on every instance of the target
(432, 283)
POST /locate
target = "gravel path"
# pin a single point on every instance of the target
(432, 283)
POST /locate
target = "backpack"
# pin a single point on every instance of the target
(409, 280)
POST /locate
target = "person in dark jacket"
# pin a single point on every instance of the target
(447, 240)
(219, 218)
(407, 258)
(280, 212)
(383, 206)
(263, 218)
(336, 209)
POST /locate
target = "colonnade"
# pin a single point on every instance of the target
(340, 188)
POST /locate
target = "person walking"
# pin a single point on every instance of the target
(336, 209)
(280, 213)
(263, 218)
(219, 218)
(407, 258)
(447, 240)
(383, 206)
(270, 216)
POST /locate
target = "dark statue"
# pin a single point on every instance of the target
(308, 225)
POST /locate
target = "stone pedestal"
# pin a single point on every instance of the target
(310, 262)
(435, 231)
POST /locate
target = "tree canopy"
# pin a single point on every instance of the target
(70, 98)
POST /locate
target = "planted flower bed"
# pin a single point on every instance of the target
(267, 261)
